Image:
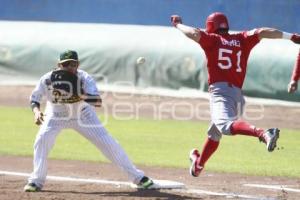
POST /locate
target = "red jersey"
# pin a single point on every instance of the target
(227, 55)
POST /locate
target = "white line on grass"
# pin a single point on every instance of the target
(274, 187)
(121, 183)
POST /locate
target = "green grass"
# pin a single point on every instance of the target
(157, 143)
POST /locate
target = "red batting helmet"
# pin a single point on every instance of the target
(216, 21)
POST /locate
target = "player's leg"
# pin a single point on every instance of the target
(211, 144)
(241, 127)
(91, 128)
(223, 113)
(227, 107)
(44, 142)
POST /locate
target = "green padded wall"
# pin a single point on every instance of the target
(110, 53)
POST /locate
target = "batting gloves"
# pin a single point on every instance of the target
(295, 38)
(176, 19)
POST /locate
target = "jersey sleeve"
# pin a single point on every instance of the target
(250, 38)
(207, 40)
(89, 85)
(39, 90)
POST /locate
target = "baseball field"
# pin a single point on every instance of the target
(158, 143)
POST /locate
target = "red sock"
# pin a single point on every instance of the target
(209, 148)
(244, 128)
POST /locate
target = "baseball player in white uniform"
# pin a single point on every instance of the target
(78, 113)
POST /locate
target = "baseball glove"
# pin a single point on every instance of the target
(66, 87)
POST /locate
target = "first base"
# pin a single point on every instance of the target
(164, 184)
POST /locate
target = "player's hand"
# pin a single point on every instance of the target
(38, 117)
(292, 87)
(296, 38)
(176, 19)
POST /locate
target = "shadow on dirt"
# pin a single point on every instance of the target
(156, 194)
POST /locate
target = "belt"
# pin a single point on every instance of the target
(227, 83)
(73, 99)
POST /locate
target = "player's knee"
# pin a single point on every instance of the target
(39, 142)
(215, 137)
(224, 127)
(44, 141)
(214, 133)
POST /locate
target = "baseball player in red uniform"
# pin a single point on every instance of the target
(293, 85)
(227, 55)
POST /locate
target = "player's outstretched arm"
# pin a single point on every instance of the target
(191, 32)
(38, 115)
(35, 99)
(293, 85)
(273, 33)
